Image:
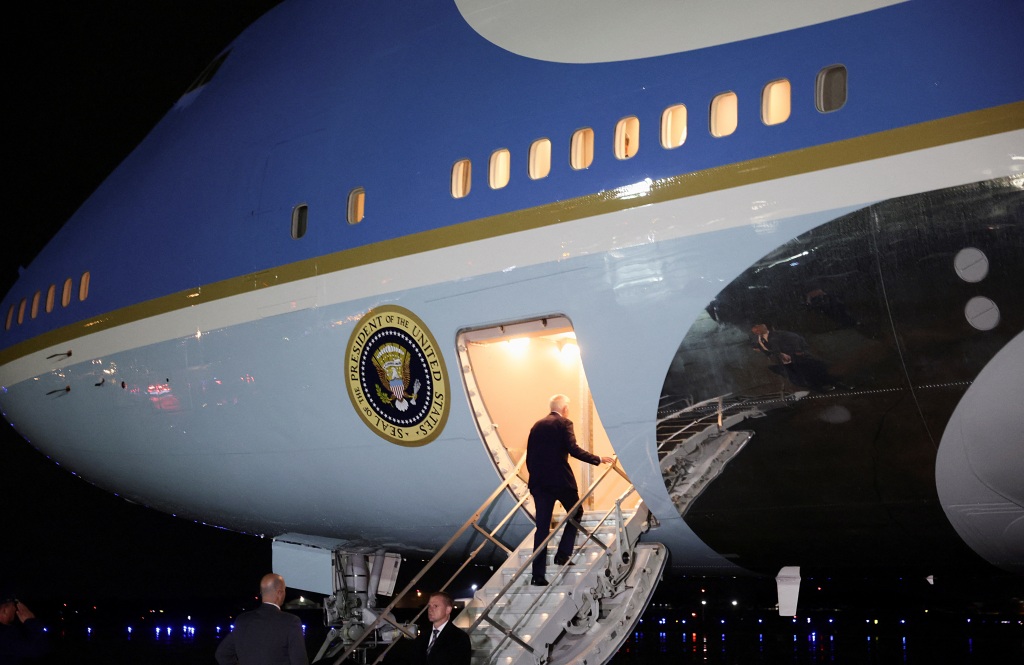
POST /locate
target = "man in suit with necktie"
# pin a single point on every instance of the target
(548, 447)
(266, 635)
(445, 643)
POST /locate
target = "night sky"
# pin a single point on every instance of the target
(85, 82)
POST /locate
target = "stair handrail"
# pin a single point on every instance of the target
(510, 632)
(619, 539)
(472, 521)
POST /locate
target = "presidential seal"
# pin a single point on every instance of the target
(396, 377)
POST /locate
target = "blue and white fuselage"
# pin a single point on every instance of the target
(337, 164)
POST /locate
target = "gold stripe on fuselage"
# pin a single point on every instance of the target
(977, 124)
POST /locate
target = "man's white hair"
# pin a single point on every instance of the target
(558, 402)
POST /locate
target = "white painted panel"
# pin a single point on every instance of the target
(303, 567)
(613, 30)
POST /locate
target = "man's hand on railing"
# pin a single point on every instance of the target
(607, 460)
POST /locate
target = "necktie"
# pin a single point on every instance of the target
(433, 636)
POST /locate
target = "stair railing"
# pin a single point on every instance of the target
(473, 521)
(510, 632)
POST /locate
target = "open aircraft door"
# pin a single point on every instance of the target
(510, 373)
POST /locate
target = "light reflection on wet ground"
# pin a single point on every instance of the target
(668, 633)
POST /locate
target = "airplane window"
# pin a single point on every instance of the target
(21, 311)
(830, 89)
(540, 159)
(300, 217)
(581, 151)
(83, 287)
(500, 168)
(627, 137)
(462, 178)
(10, 318)
(775, 102)
(356, 205)
(724, 114)
(51, 297)
(673, 126)
(35, 304)
(65, 298)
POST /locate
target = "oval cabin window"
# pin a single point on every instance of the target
(462, 178)
(500, 170)
(830, 89)
(581, 151)
(775, 102)
(627, 137)
(673, 126)
(300, 218)
(540, 159)
(724, 114)
(356, 205)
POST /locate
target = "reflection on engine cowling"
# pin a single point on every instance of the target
(801, 417)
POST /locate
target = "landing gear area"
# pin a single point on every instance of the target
(356, 626)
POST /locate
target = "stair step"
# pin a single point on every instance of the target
(530, 623)
(515, 602)
(554, 576)
(538, 615)
(588, 555)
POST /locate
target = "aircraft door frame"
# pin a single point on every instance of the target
(509, 372)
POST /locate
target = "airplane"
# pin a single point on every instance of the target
(369, 242)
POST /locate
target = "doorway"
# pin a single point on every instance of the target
(510, 373)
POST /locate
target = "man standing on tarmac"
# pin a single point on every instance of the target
(551, 442)
(266, 635)
(445, 643)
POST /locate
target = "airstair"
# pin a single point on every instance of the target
(589, 607)
(583, 616)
